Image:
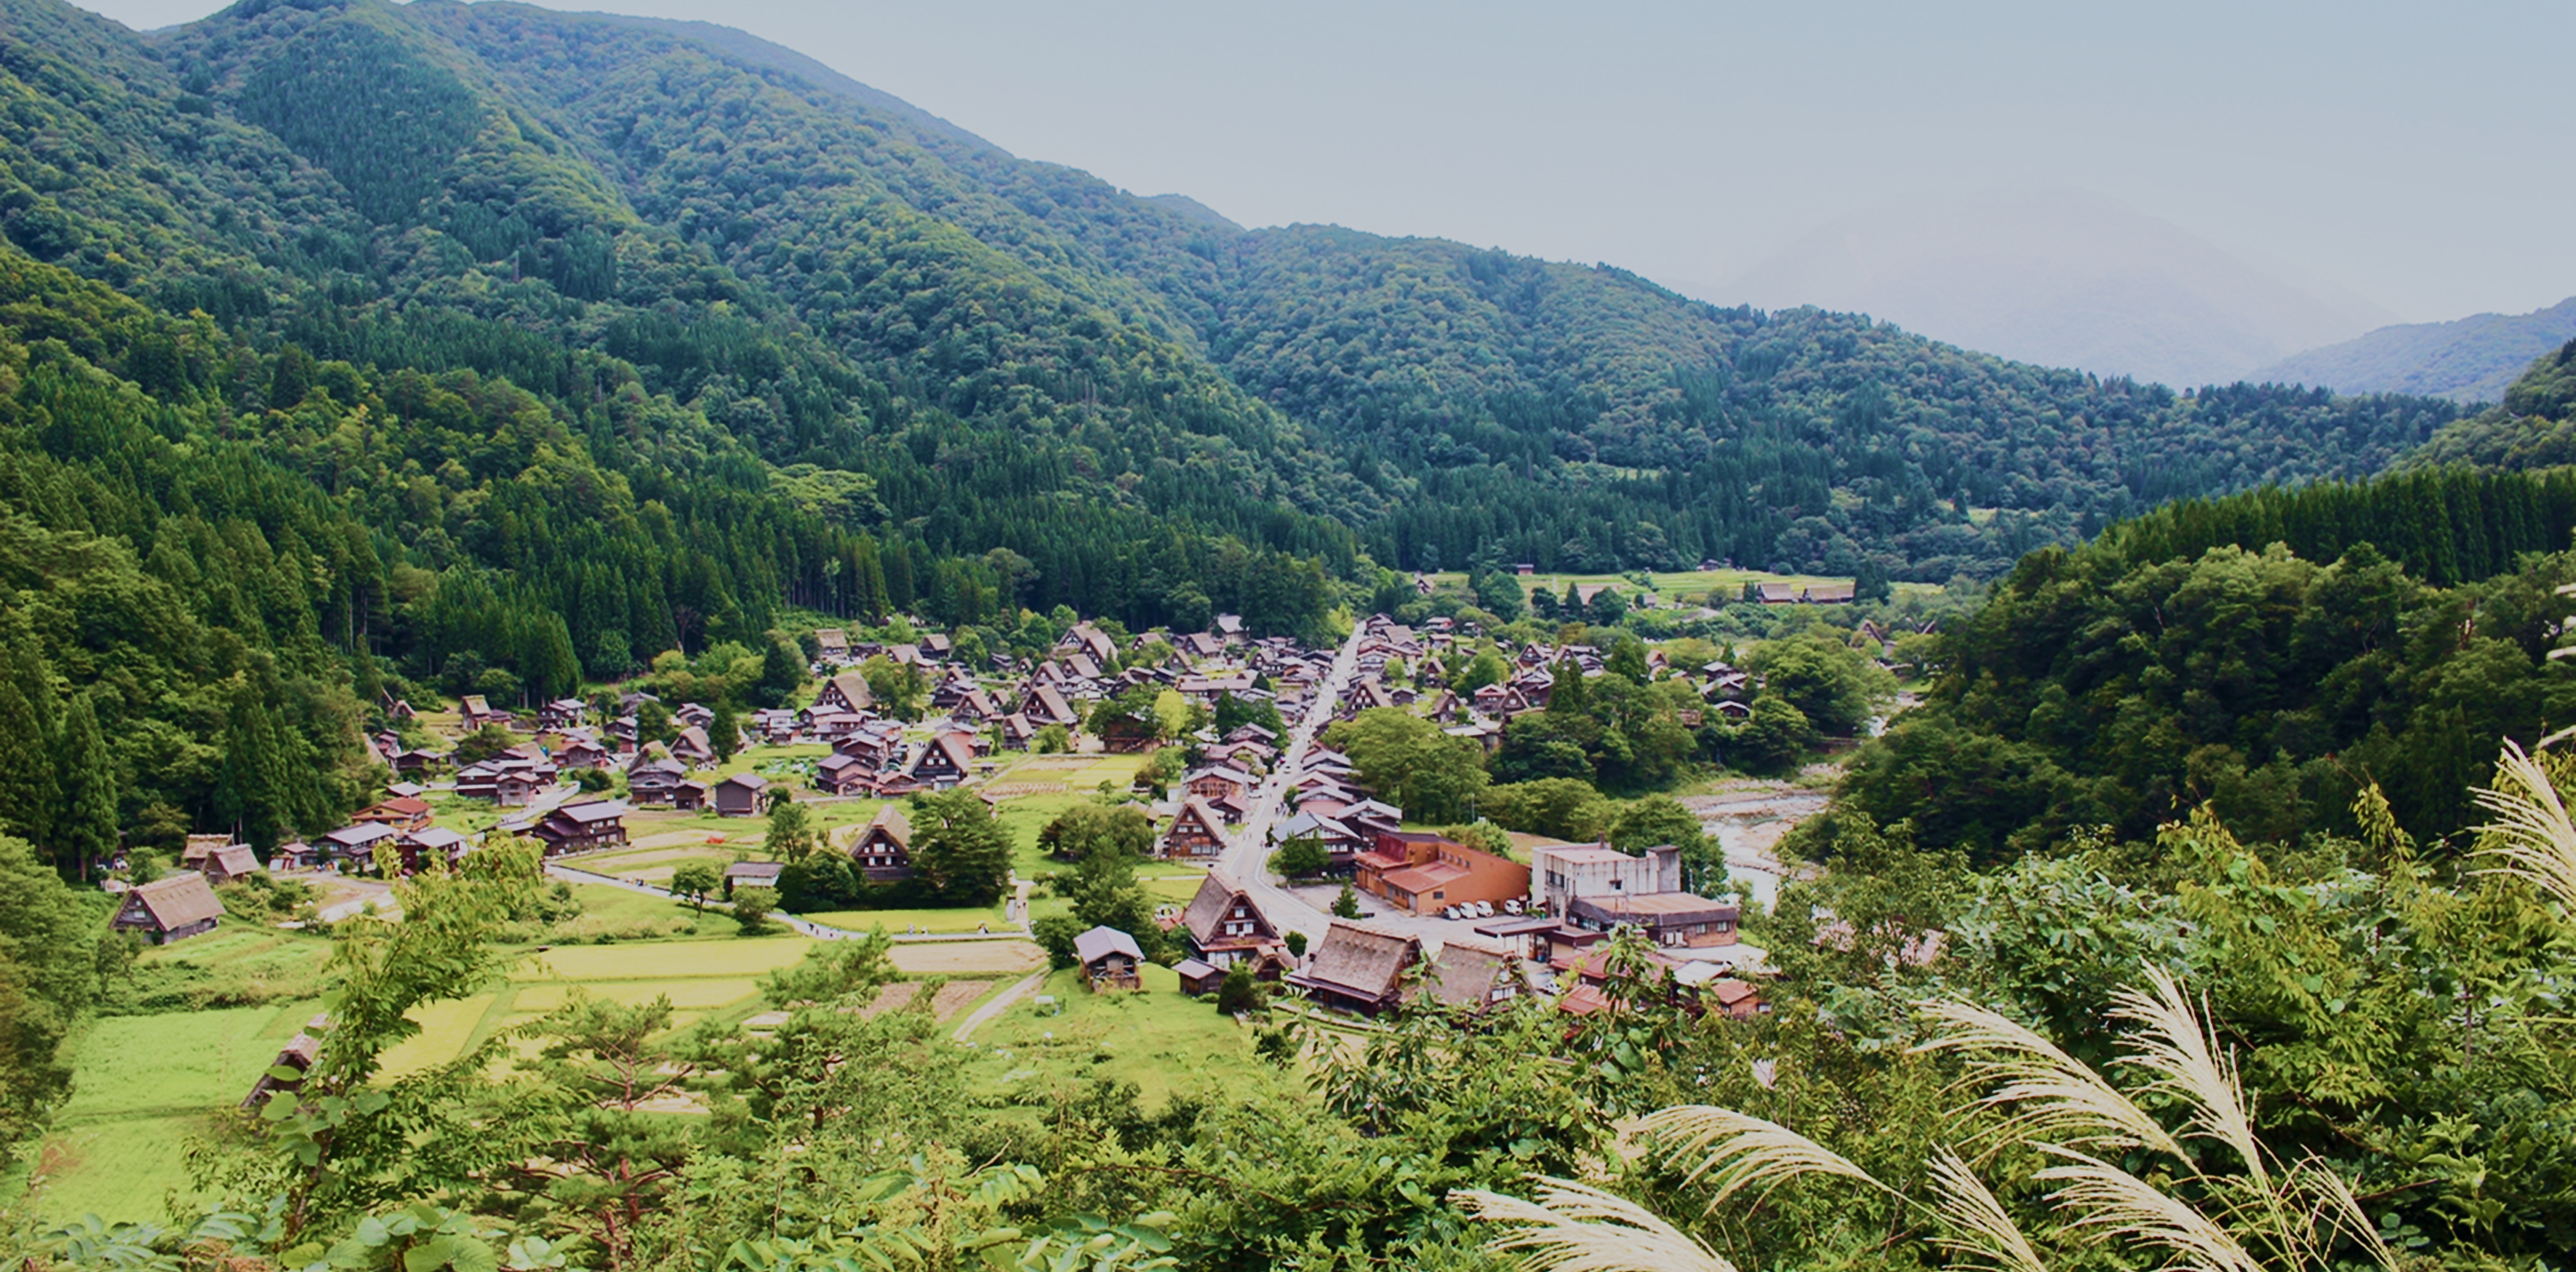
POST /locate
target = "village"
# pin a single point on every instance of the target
(1386, 908)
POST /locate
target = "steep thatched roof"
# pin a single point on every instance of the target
(1471, 977)
(1364, 962)
(177, 901)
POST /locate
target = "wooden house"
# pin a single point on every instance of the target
(1046, 704)
(1220, 785)
(752, 874)
(832, 645)
(1196, 831)
(689, 796)
(845, 691)
(883, 851)
(476, 712)
(563, 713)
(583, 827)
(1109, 959)
(655, 780)
(402, 812)
(415, 851)
(1198, 979)
(945, 761)
(692, 748)
(740, 795)
(1224, 926)
(1469, 979)
(1358, 968)
(841, 773)
(297, 1057)
(230, 862)
(193, 855)
(170, 909)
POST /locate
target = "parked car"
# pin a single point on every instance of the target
(1512, 906)
(1449, 912)
(1484, 909)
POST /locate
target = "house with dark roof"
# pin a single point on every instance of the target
(169, 909)
(1110, 959)
(739, 795)
(437, 843)
(655, 780)
(752, 874)
(1223, 926)
(1196, 831)
(945, 761)
(883, 851)
(1358, 968)
(846, 691)
(573, 828)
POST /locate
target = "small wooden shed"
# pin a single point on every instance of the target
(1110, 959)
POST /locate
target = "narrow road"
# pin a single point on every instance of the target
(999, 1002)
(1247, 858)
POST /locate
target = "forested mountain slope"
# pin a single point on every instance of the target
(2269, 654)
(1050, 334)
(529, 344)
(2533, 427)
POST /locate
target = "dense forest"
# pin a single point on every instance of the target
(2266, 654)
(1016, 355)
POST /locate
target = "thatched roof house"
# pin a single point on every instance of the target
(171, 909)
(1357, 968)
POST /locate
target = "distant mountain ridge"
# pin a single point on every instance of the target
(2472, 359)
(963, 352)
(2060, 277)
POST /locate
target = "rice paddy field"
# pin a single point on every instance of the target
(145, 1085)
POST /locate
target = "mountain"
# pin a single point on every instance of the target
(2060, 277)
(353, 350)
(1017, 355)
(2533, 427)
(2470, 359)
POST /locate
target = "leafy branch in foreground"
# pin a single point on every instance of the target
(2210, 1198)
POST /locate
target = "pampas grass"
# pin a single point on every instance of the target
(2253, 1217)
(1577, 1228)
(2533, 832)
(1742, 1150)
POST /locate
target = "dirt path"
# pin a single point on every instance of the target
(1000, 1002)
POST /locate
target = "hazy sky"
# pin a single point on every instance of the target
(2411, 153)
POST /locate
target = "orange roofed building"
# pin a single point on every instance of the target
(1424, 873)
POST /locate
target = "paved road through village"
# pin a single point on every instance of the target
(1247, 857)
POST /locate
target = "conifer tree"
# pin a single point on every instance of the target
(85, 829)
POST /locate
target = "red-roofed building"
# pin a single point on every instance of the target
(1424, 873)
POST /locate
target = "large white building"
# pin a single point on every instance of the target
(1598, 887)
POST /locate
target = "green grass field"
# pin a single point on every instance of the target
(1155, 1038)
(143, 1086)
(898, 922)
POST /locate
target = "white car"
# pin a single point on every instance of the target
(1449, 912)
(1512, 906)
(1484, 909)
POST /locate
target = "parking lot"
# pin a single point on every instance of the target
(1379, 914)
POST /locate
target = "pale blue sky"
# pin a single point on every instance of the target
(2413, 154)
